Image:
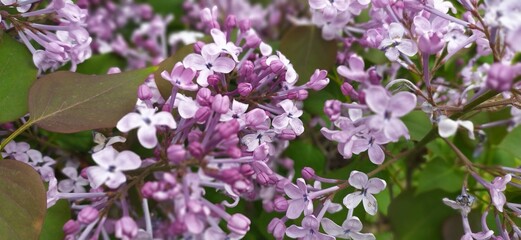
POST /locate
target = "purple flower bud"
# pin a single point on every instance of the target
(276, 66)
(231, 22)
(230, 175)
(261, 152)
(88, 215)
(176, 153)
(374, 79)
(255, 117)
(287, 134)
(431, 44)
(281, 204)
(346, 89)
(332, 109)
(500, 77)
(234, 152)
(221, 104)
(253, 41)
(204, 97)
(380, 3)
(166, 107)
(213, 80)
(244, 89)
(83, 173)
(247, 170)
(280, 185)
(126, 228)
(287, 163)
(229, 128)
(268, 206)
(149, 188)
(318, 80)
(198, 46)
(302, 95)
(71, 227)
(146, 11)
(203, 114)
(246, 68)
(196, 149)
(144, 92)
(195, 136)
(361, 97)
(244, 25)
(277, 228)
(263, 178)
(239, 224)
(308, 173)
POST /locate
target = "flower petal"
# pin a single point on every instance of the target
(130, 121)
(295, 208)
(164, 119)
(147, 136)
(407, 47)
(370, 204)
(447, 127)
(223, 65)
(353, 199)
(194, 61)
(296, 232)
(376, 154)
(331, 227)
(127, 160)
(401, 104)
(358, 179)
(377, 99)
(375, 185)
(97, 176)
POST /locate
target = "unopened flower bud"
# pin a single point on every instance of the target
(500, 77)
(430, 43)
(287, 134)
(374, 79)
(227, 129)
(244, 89)
(202, 114)
(253, 41)
(332, 109)
(281, 204)
(234, 152)
(204, 97)
(308, 173)
(255, 117)
(213, 80)
(176, 153)
(195, 136)
(198, 46)
(196, 149)
(346, 89)
(318, 80)
(126, 228)
(87, 215)
(247, 170)
(246, 68)
(71, 227)
(113, 70)
(276, 66)
(231, 22)
(277, 228)
(149, 188)
(144, 92)
(261, 152)
(244, 25)
(221, 104)
(239, 224)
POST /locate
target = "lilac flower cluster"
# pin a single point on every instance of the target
(59, 29)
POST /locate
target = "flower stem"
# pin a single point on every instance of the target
(14, 134)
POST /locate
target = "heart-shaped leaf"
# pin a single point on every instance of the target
(69, 102)
(307, 51)
(18, 73)
(22, 201)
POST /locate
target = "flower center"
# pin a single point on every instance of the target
(112, 168)
(209, 66)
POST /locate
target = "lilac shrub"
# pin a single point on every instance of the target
(416, 90)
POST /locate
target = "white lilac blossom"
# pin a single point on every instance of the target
(146, 120)
(221, 45)
(207, 63)
(395, 44)
(17, 150)
(308, 230)
(388, 111)
(103, 142)
(300, 199)
(74, 183)
(290, 118)
(350, 229)
(367, 188)
(111, 165)
(181, 77)
(448, 127)
(42, 164)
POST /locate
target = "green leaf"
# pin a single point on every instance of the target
(56, 217)
(307, 51)
(23, 201)
(440, 174)
(418, 124)
(164, 86)
(68, 102)
(305, 154)
(512, 142)
(419, 217)
(77, 142)
(18, 73)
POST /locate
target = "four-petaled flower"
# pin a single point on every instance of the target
(207, 63)
(220, 45)
(309, 230)
(237, 112)
(395, 44)
(350, 229)
(111, 165)
(181, 77)
(367, 187)
(146, 120)
(289, 117)
(388, 111)
(75, 183)
(300, 200)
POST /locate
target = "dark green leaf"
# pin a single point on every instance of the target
(418, 124)
(307, 51)
(100, 64)
(512, 143)
(421, 216)
(69, 102)
(23, 201)
(305, 154)
(440, 174)
(56, 217)
(17, 73)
